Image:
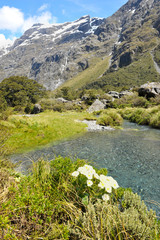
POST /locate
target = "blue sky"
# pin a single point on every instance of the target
(16, 16)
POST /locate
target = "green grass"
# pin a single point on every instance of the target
(136, 74)
(110, 118)
(97, 67)
(149, 116)
(26, 133)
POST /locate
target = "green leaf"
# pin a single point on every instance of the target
(85, 200)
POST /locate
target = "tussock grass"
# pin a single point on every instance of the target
(110, 118)
(149, 116)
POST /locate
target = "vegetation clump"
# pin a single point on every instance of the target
(149, 116)
(53, 202)
(110, 118)
(105, 220)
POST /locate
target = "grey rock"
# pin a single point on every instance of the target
(96, 106)
(125, 93)
(51, 54)
(114, 94)
(149, 90)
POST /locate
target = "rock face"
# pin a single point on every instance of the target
(149, 90)
(52, 54)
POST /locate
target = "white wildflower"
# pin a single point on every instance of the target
(75, 174)
(113, 182)
(105, 197)
(101, 185)
(89, 183)
(87, 171)
(108, 188)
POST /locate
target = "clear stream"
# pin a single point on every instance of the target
(131, 155)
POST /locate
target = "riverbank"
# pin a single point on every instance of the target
(22, 133)
(27, 132)
(50, 204)
(130, 154)
(56, 203)
(143, 116)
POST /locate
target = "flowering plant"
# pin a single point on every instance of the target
(101, 183)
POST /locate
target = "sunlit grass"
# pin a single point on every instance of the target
(95, 70)
(35, 131)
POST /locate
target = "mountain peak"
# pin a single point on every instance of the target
(54, 53)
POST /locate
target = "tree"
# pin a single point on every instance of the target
(21, 90)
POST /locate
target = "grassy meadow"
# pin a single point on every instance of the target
(25, 133)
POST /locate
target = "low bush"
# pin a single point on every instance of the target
(4, 115)
(130, 101)
(105, 220)
(140, 102)
(21, 91)
(155, 101)
(59, 106)
(110, 118)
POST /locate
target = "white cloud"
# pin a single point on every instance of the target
(5, 42)
(11, 18)
(43, 7)
(45, 18)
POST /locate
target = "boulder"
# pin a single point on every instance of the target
(114, 94)
(125, 93)
(149, 90)
(96, 106)
(37, 109)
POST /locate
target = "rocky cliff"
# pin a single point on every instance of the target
(54, 53)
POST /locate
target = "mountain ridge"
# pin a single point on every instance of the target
(55, 53)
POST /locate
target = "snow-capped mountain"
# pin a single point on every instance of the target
(54, 53)
(46, 52)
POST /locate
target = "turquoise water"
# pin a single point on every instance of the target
(131, 155)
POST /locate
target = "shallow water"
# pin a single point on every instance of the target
(131, 155)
